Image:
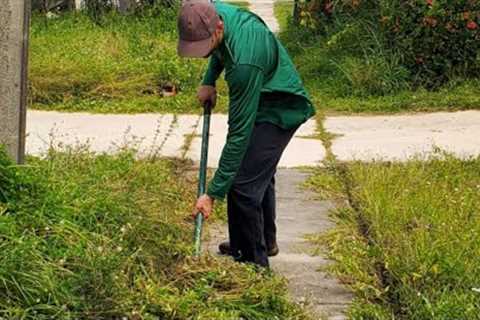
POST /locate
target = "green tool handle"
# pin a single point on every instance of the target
(202, 179)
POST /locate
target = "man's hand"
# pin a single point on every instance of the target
(204, 205)
(207, 93)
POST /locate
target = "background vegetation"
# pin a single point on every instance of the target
(409, 240)
(103, 60)
(386, 55)
(126, 64)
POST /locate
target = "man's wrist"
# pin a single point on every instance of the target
(213, 196)
(208, 85)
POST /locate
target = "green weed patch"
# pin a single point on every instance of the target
(86, 236)
(408, 243)
(126, 64)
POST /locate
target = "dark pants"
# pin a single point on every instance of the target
(251, 199)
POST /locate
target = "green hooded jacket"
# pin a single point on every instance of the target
(263, 83)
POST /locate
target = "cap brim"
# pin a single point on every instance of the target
(194, 49)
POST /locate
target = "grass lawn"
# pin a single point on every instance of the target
(408, 243)
(120, 66)
(110, 237)
(345, 81)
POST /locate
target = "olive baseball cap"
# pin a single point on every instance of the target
(197, 22)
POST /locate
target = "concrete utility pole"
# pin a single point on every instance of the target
(14, 25)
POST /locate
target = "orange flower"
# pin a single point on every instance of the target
(430, 2)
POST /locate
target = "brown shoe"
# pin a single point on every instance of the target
(224, 248)
(273, 251)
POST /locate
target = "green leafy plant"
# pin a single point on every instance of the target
(435, 40)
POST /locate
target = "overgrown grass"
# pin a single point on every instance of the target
(349, 71)
(409, 241)
(122, 65)
(86, 236)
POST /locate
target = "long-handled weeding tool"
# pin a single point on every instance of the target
(202, 178)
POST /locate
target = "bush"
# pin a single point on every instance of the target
(435, 40)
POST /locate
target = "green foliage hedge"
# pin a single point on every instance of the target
(435, 40)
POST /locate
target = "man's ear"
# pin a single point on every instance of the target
(220, 25)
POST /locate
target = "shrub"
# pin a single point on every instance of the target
(436, 40)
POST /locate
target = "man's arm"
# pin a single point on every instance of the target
(214, 69)
(245, 92)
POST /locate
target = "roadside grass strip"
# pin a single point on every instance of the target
(86, 236)
(407, 239)
(126, 64)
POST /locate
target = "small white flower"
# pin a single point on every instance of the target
(477, 290)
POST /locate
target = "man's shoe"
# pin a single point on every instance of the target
(224, 248)
(273, 251)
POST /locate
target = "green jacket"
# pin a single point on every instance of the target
(263, 87)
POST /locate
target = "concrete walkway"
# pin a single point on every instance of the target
(401, 137)
(364, 138)
(299, 215)
(265, 9)
(166, 135)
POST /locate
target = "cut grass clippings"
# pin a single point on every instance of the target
(345, 80)
(408, 242)
(86, 236)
